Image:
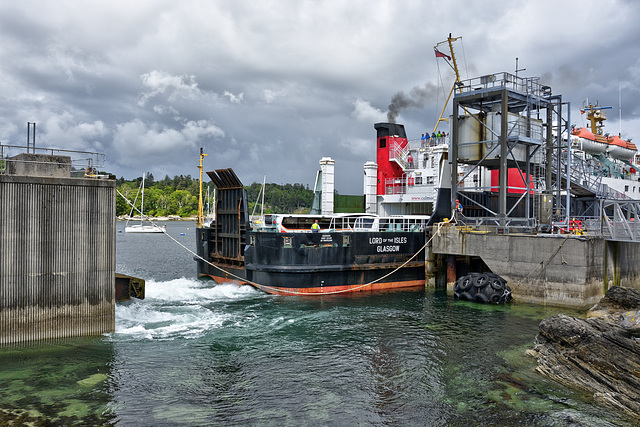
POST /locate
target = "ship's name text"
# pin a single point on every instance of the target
(387, 244)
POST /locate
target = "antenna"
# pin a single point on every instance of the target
(521, 69)
(620, 107)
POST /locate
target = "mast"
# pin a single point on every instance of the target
(454, 66)
(596, 117)
(200, 207)
(264, 183)
(142, 200)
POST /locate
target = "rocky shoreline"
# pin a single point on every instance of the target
(599, 355)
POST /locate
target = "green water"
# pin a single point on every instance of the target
(194, 353)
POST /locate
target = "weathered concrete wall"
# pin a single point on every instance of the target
(30, 164)
(57, 257)
(562, 270)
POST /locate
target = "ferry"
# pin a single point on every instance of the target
(407, 190)
(325, 252)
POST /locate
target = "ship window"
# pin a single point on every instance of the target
(287, 242)
(418, 180)
(252, 240)
(383, 142)
(626, 188)
(346, 240)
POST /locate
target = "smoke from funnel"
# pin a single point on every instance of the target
(416, 99)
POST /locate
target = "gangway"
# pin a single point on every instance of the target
(618, 216)
(585, 177)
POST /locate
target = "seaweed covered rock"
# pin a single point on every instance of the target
(600, 354)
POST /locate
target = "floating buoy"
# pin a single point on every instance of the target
(487, 288)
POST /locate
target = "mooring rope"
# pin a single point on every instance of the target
(542, 265)
(274, 289)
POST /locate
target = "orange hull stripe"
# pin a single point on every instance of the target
(340, 289)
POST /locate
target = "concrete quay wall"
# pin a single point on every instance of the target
(57, 257)
(560, 270)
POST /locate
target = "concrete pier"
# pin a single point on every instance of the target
(57, 257)
(561, 270)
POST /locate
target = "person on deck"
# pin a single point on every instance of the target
(315, 227)
(423, 140)
(426, 138)
(410, 160)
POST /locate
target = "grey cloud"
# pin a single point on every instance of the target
(270, 88)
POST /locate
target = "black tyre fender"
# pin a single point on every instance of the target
(489, 292)
(481, 298)
(465, 283)
(466, 296)
(497, 284)
(481, 281)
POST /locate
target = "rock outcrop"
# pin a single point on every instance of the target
(600, 354)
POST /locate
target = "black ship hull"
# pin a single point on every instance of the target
(320, 263)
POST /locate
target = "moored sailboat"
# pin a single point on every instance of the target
(143, 227)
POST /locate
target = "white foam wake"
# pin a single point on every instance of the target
(180, 308)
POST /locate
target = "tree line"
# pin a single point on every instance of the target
(179, 196)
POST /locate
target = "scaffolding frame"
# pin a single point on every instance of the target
(524, 141)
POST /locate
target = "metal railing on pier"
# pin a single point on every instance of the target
(78, 161)
(620, 220)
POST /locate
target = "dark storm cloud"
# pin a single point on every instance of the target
(272, 87)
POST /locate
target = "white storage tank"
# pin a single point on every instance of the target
(469, 131)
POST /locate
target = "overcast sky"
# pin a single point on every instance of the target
(270, 87)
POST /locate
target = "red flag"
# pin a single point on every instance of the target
(441, 55)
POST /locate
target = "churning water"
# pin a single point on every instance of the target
(194, 353)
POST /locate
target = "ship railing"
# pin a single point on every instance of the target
(371, 223)
(402, 184)
(403, 223)
(13, 160)
(364, 223)
(395, 185)
(417, 145)
(399, 154)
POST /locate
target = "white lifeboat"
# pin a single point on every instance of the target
(583, 139)
(620, 149)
